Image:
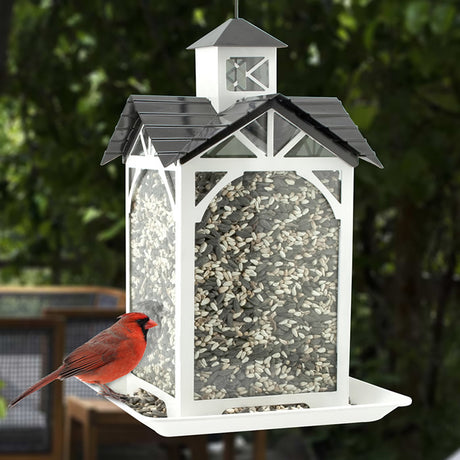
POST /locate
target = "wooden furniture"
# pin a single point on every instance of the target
(102, 422)
(31, 301)
(29, 349)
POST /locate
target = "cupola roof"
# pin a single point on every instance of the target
(237, 32)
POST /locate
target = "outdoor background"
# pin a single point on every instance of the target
(66, 69)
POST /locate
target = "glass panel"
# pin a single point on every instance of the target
(152, 242)
(138, 149)
(256, 132)
(230, 148)
(238, 69)
(145, 138)
(261, 73)
(284, 132)
(331, 179)
(171, 178)
(266, 289)
(204, 182)
(308, 147)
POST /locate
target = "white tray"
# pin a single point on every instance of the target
(368, 403)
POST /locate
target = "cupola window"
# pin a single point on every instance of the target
(247, 74)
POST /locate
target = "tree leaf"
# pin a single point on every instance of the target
(417, 15)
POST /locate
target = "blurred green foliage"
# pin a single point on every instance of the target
(2, 402)
(394, 65)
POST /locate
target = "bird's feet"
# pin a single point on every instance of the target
(108, 392)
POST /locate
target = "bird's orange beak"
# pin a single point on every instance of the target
(149, 324)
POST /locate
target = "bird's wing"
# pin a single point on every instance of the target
(92, 355)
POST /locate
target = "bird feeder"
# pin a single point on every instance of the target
(239, 214)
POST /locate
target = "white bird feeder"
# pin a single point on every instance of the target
(239, 213)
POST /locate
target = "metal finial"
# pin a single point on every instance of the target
(236, 9)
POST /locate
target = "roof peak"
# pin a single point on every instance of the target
(237, 32)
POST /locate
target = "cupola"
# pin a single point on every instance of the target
(234, 61)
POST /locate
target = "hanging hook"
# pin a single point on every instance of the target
(236, 9)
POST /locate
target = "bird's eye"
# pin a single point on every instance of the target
(142, 321)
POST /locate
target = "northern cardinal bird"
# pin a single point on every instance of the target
(109, 355)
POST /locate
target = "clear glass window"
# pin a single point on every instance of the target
(266, 257)
(284, 131)
(247, 73)
(138, 148)
(152, 276)
(256, 132)
(230, 148)
(308, 147)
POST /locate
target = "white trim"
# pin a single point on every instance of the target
(344, 275)
(276, 163)
(248, 143)
(142, 139)
(292, 143)
(128, 199)
(144, 162)
(185, 289)
(270, 133)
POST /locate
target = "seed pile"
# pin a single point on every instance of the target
(152, 277)
(266, 256)
(244, 410)
(146, 404)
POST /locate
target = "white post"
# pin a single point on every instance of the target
(185, 289)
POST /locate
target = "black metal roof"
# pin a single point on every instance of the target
(182, 127)
(237, 32)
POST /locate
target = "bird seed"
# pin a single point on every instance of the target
(266, 288)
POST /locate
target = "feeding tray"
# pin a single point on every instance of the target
(367, 404)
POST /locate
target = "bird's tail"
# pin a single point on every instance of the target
(40, 384)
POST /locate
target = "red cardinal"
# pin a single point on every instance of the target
(109, 355)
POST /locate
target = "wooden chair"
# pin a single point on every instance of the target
(29, 349)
